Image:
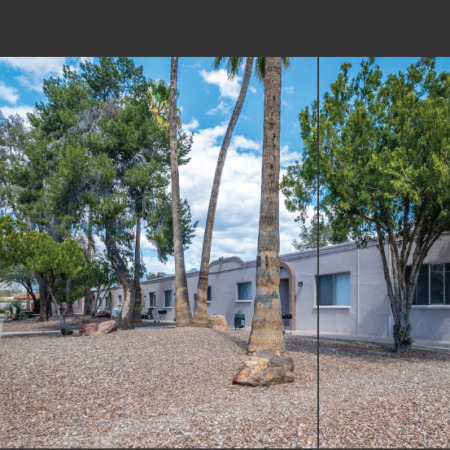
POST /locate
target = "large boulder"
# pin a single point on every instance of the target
(217, 322)
(89, 329)
(95, 329)
(107, 327)
(265, 367)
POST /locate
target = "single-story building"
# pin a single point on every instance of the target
(353, 294)
(27, 300)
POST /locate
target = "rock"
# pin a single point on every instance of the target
(95, 329)
(76, 321)
(107, 327)
(217, 322)
(89, 329)
(266, 367)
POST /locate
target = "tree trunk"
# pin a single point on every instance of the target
(43, 316)
(58, 308)
(69, 299)
(267, 332)
(87, 288)
(182, 308)
(121, 271)
(401, 290)
(200, 309)
(137, 270)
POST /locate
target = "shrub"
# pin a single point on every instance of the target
(16, 304)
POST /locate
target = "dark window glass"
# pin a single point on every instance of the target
(244, 291)
(447, 284)
(167, 299)
(421, 296)
(436, 284)
(326, 290)
(208, 297)
(152, 299)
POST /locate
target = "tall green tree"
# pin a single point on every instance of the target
(41, 254)
(384, 169)
(266, 332)
(113, 161)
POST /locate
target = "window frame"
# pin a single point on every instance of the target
(171, 299)
(333, 306)
(152, 295)
(446, 302)
(237, 292)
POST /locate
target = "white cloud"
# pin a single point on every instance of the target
(192, 125)
(35, 69)
(222, 107)
(287, 104)
(8, 93)
(229, 88)
(287, 157)
(20, 110)
(237, 214)
(288, 89)
(252, 89)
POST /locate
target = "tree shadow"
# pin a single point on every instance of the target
(372, 351)
(239, 341)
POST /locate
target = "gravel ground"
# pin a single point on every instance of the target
(154, 387)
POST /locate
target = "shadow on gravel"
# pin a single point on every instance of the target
(365, 350)
(239, 341)
(41, 334)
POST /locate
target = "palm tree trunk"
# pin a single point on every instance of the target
(137, 270)
(200, 314)
(87, 288)
(267, 330)
(182, 308)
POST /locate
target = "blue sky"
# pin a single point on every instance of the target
(206, 101)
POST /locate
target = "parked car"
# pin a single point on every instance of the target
(104, 312)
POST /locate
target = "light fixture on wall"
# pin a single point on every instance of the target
(300, 284)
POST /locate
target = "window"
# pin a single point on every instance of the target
(167, 299)
(334, 290)
(244, 291)
(433, 284)
(152, 299)
(208, 296)
(120, 300)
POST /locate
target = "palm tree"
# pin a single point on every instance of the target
(234, 63)
(267, 330)
(159, 95)
(182, 308)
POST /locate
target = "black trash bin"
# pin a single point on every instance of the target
(286, 320)
(239, 320)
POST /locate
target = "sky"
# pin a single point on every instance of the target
(206, 100)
